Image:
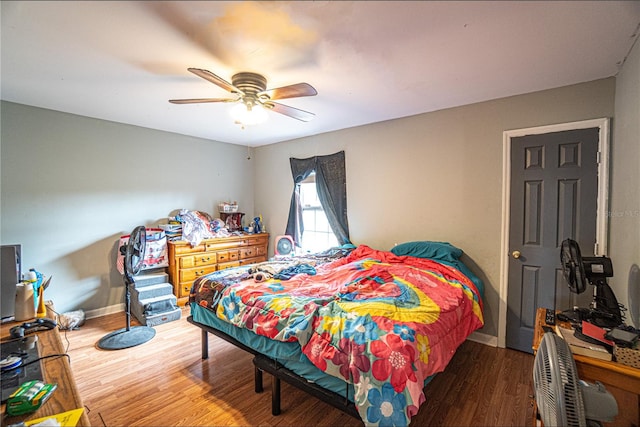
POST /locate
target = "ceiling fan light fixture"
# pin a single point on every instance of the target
(250, 89)
(248, 114)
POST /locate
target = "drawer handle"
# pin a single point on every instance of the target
(199, 273)
(203, 259)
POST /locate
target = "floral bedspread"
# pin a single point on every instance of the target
(382, 322)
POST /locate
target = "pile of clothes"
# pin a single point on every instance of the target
(197, 226)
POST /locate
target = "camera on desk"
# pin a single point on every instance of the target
(31, 327)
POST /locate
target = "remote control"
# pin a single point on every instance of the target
(550, 317)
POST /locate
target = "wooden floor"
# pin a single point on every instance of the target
(164, 382)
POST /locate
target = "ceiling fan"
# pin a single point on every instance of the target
(250, 89)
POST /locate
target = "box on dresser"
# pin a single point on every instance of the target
(187, 263)
(581, 347)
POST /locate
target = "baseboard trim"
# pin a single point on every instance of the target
(99, 312)
(481, 338)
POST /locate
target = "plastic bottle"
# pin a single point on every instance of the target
(34, 277)
(42, 309)
(25, 303)
(31, 278)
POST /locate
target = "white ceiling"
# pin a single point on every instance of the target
(369, 61)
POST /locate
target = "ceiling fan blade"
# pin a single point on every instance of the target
(200, 100)
(209, 76)
(291, 91)
(295, 113)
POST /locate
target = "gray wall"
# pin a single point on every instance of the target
(624, 219)
(436, 176)
(72, 185)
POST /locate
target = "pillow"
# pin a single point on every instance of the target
(435, 250)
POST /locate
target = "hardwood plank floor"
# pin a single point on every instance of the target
(164, 382)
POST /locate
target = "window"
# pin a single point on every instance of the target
(331, 187)
(317, 235)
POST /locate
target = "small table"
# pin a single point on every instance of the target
(56, 370)
(622, 381)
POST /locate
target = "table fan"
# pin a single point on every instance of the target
(579, 271)
(284, 245)
(562, 398)
(133, 259)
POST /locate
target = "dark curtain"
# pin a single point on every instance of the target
(331, 185)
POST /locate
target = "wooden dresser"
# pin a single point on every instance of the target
(187, 263)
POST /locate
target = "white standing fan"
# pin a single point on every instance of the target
(284, 245)
(133, 260)
(562, 398)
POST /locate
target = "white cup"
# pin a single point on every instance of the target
(25, 305)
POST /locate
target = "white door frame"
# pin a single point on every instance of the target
(602, 217)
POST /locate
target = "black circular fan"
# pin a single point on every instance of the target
(134, 251)
(572, 266)
(129, 336)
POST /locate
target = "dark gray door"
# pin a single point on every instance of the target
(554, 190)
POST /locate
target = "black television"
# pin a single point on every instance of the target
(11, 274)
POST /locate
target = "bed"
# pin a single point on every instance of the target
(370, 327)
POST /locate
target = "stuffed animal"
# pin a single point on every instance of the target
(257, 224)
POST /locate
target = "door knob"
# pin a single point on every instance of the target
(515, 254)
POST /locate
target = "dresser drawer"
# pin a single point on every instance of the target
(248, 252)
(186, 248)
(226, 256)
(229, 264)
(199, 260)
(191, 274)
(217, 246)
(254, 260)
(260, 251)
(257, 240)
(184, 290)
(253, 251)
(187, 263)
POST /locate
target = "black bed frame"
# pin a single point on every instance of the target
(263, 363)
